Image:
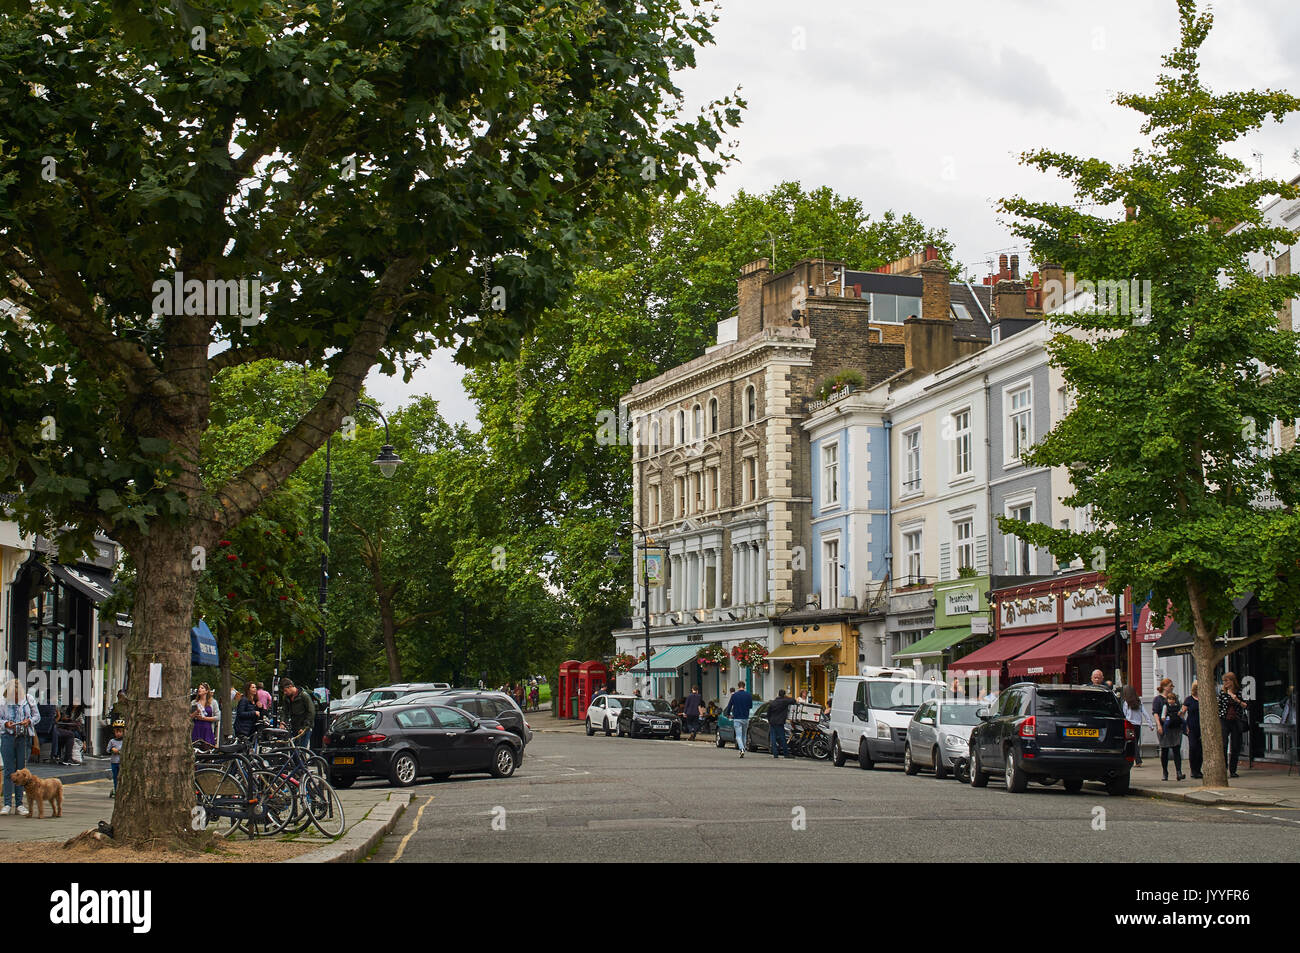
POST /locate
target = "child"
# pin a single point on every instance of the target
(115, 752)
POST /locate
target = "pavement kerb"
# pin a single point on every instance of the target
(1210, 796)
(362, 838)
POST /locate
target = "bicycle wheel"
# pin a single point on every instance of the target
(275, 805)
(324, 806)
(821, 749)
(213, 785)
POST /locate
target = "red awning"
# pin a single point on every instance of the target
(991, 657)
(1145, 632)
(1050, 657)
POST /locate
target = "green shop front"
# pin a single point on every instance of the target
(961, 625)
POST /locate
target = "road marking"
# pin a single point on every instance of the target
(414, 827)
(1272, 817)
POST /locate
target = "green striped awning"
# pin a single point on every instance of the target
(935, 643)
(668, 660)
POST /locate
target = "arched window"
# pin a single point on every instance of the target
(681, 428)
(654, 436)
(751, 404)
(697, 422)
(713, 415)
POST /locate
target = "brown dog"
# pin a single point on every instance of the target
(39, 791)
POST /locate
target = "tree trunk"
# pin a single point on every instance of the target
(1214, 766)
(156, 785)
(389, 621)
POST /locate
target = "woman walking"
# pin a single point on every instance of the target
(1232, 713)
(20, 717)
(1169, 726)
(1136, 716)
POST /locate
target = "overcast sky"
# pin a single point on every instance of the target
(926, 107)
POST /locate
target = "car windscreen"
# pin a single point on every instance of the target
(1082, 703)
(959, 714)
(901, 695)
(652, 704)
(356, 721)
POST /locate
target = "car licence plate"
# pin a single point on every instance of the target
(343, 761)
(661, 727)
(1083, 732)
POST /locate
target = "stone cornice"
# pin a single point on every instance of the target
(721, 365)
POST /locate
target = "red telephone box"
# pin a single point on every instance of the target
(568, 688)
(590, 676)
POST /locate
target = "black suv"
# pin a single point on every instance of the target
(497, 706)
(1073, 733)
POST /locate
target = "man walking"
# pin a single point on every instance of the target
(777, 712)
(300, 711)
(692, 711)
(737, 710)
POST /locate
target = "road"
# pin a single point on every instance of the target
(584, 799)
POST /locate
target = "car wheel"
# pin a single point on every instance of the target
(503, 761)
(608, 731)
(978, 779)
(837, 753)
(590, 730)
(864, 756)
(403, 771)
(677, 736)
(909, 766)
(940, 768)
(1117, 787)
(1017, 780)
(342, 783)
(620, 729)
(1073, 785)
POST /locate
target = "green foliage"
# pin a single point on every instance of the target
(838, 380)
(1166, 441)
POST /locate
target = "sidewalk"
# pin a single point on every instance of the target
(1264, 785)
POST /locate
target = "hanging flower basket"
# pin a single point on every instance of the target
(621, 663)
(750, 653)
(713, 654)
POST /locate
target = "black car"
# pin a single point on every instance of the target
(649, 716)
(1045, 733)
(402, 742)
(495, 706)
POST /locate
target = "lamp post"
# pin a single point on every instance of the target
(612, 555)
(387, 462)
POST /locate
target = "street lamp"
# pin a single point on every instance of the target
(613, 555)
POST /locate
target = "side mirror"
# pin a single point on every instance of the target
(983, 714)
(860, 710)
(927, 721)
(474, 724)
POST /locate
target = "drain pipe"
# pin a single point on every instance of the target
(889, 522)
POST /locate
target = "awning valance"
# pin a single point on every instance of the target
(1051, 657)
(668, 660)
(935, 643)
(1001, 649)
(95, 588)
(801, 650)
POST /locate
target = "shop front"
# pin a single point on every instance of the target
(961, 624)
(816, 648)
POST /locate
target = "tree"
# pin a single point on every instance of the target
(550, 416)
(1166, 441)
(338, 185)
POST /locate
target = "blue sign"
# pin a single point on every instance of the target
(203, 645)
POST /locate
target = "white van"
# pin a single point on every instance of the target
(870, 713)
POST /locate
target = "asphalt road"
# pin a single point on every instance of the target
(584, 799)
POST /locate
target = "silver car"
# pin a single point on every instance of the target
(938, 736)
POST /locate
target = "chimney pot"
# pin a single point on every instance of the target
(1015, 267)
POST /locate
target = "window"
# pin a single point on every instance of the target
(1019, 558)
(679, 496)
(912, 461)
(751, 404)
(697, 422)
(654, 437)
(912, 551)
(961, 442)
(831, 574)
(1063, 400)
(964, 542)
(713, 415)
(960, 312)
(697, 492)
(654, 501)
(1020, 424)
(713, 489)
(680, 437)
(830, 474)
(996, 334)
(894, 309)
(415, 718)
(450, 718)
(751, 478)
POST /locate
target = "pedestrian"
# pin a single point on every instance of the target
(68, 727)
(777, 712)
(216, 709)
(202, 714)
(20, 719)
(692, 710)
(1169, 726)
(248, 712)
(263, 697)
(738, 706)
(1136, 716)
(1192, 719)
(115, 752)
(1158, 702)
(300, 711)
(534, 697)
(1098, 678)
(1232, 716)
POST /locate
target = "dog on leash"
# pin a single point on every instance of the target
(40, 790)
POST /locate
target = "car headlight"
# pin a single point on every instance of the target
(956, 741)
(882, 731)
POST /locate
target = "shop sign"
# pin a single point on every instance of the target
(652, 568)
(979, 625)
(1091, 603)
(1027, 610)
(961, 601)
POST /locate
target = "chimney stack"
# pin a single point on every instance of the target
(936, 295)
(1053, 286)
(1015, 267)
(749, 297)
(1009, 300)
